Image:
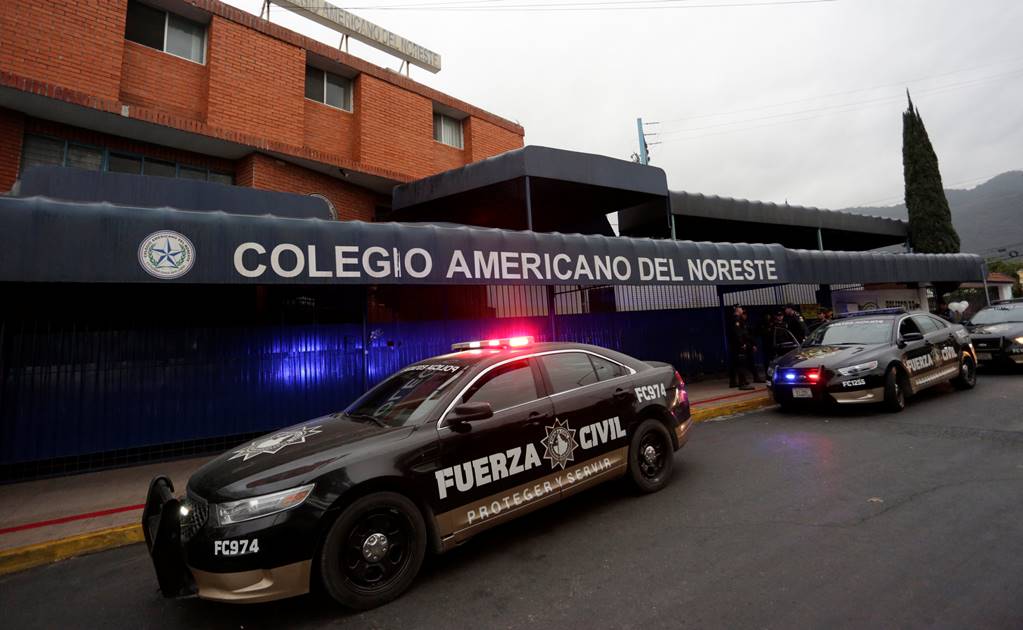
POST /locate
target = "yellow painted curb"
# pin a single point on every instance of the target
(727, 409)
(21, 558)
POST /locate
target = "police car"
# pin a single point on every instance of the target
(877, 356)
(438, 452)
(997, 333)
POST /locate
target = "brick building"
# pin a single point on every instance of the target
(200, 89)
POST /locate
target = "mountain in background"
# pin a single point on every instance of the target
(988, 217)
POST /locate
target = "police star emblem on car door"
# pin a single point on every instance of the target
(559, 444)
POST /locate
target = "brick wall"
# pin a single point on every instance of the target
(330, 130)
(484, 139)
(446, 158)
(250, 92)
(70, 43)
(396, 129)
(151, 78)
(256, 84)
(12, 129)
(262, 171)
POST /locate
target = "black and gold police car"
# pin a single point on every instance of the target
(437, 452)
(878, 356)
(997, 333)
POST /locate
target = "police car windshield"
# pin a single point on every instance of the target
(999, 315)
(409, 395)
(852, 332)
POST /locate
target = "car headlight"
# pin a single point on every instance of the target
(1018, 341)
(255, 507)
(853, 370)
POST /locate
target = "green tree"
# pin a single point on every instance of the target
(930, 220)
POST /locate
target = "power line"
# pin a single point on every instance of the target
(611, 5)
(839, 108)
(844, 92)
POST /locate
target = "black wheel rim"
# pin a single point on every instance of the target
(652, 455)
(387, 557)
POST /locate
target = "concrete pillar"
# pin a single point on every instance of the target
(922, 297)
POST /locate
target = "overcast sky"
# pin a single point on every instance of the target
(797, 102)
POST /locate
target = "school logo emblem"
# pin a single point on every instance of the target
(275, 442)
(166, 254)
(560, 444)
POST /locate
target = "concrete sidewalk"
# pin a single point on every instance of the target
(56, 518)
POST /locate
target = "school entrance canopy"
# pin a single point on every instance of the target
(713, 218)
(42, 240)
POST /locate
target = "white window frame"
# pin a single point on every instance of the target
(166, 29)
(351, 91)
(461, 131)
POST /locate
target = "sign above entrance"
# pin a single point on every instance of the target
(337, 19)
(43, 240)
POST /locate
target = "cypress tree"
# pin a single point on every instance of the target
(930, 220)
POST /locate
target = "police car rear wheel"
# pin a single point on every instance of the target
(373, 551)
(894, 390)
(967, 378)
(651, 456)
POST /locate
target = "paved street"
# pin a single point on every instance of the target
(851, 519)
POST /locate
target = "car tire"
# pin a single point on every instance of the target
(967, 378)
(894, 390)
(373, 551)
(651, 456)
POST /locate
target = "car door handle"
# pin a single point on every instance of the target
(623, 394)
(536, 418)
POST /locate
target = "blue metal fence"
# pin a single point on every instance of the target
(70, 390)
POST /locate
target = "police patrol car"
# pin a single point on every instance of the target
(997, 333)
(441, 450)
(878, 356)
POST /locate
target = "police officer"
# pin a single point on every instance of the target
(740, 349)
(794, 323)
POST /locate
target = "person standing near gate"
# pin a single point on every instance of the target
(794, 323)
(740, 349)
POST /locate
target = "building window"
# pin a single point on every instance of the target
(447, 130)
(165, 31)
(43, 151)
(124, 164)
(327, 88)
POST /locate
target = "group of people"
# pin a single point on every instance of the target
(745, 339)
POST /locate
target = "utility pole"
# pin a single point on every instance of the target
(644, 146)
(644, 157)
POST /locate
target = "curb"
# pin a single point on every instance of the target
(21, 558)
(727, 409)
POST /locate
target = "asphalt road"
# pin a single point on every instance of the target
(845, 519)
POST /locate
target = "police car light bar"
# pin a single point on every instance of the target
(877, 311)
(507, 342)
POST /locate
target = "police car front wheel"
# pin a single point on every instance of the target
(651, 456)
(373, 550)
(895, 388)
(967, 377)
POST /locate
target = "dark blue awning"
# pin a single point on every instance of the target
(42, 240)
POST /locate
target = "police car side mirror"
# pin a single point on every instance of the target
(469, 412)
(911, 336)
